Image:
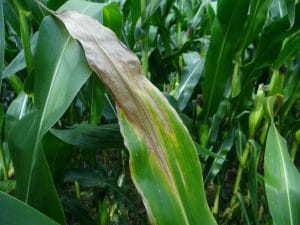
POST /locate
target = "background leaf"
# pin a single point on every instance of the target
(102, 137)
(2, 38)
(230, 19)
(26, 215)
(65, 70)
(189, 79)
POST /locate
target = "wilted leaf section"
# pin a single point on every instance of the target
(164, 163)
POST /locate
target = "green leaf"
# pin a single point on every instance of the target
(15, 212)
(112, 18)
(18, 63)
(78, 212)
(57, 80)
(225, 34)
(153, 132)
(16, 110)
(102, 137)
(190, 78)
(269, 45)
(11, 16)
(219, 161)
(58, 155)
(2, 39)
(282, 180)
(94, 94)
(290, 49)
(7, 186)
(255, 22)
(286, 7)
(244, 208)
(95, 179)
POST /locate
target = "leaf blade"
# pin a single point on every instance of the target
(153, 132)
(282, 180)
(26, 214)
(218, 64)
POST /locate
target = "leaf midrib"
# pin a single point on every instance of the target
(285, 178)
(182, 88)
(42, 115)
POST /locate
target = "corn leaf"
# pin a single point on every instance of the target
(225, 34)
(2, 38)
(83, 135)
(57, 80)
(282, 180)
(190, 78)
(18, 63)
(15, 212)
(163, 158)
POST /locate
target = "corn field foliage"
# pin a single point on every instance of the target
(161, 112)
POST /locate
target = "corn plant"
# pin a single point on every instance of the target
(149, 112)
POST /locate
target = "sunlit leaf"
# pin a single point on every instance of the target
(153, 132)
(16, 212)
(2, 40)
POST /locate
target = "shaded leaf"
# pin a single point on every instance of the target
(2, 38)
(18, 63)
(95, 137)
(219, 161)
(16, 110)
(290, 49)
(112, 17)
(226, 28)
(78, 212)
(16, 212)
(282, 179)
(57, 80)
(255, 22)
(190, 77)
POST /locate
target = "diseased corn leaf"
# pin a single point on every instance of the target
(15, 212)
(163, 158)
(282, 180)
(225, 34)
(58, 78)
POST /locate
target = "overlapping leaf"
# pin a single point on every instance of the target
(230, 19)
(2, 38)
(282, 179)
(162, 153)
(16, 212)
(59, 75)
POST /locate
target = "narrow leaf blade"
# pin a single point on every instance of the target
(229, 21)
